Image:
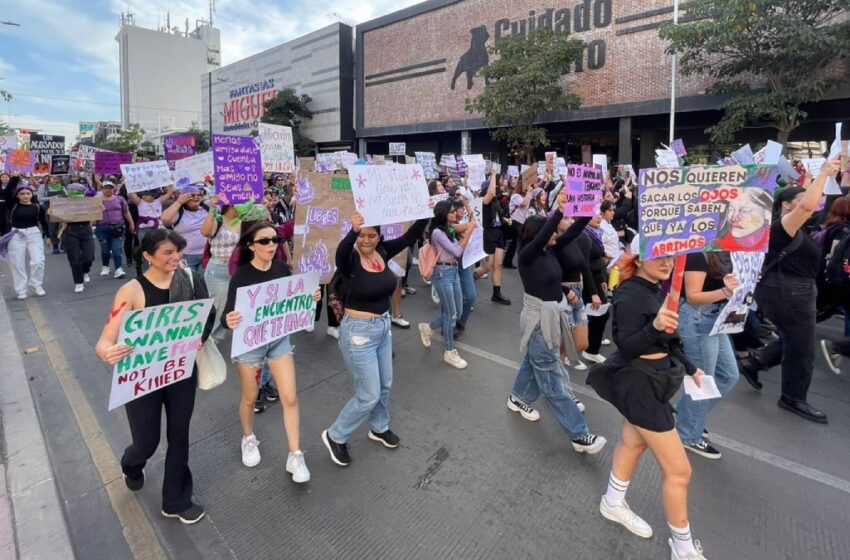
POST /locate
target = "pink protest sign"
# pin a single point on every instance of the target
(177, 147)
(584, 190)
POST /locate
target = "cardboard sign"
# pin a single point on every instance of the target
(69, 210)
(44, 146)
(60, 164)
(21, 161)
(307, 164)
(165, 340)
(193, 170)
(474, 251)
(584, 190)
(398, 148)
(276, 148)
(747, 267)
(272, 310)
(109, 163)
(428, 161)
(238, 168)
(146, 176)
(177, 148)
(323, 217)
(529, 177)
(705, 208)
(389, 194)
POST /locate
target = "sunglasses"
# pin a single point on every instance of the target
(266, 240)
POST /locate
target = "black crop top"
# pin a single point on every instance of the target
(248, 275)
(25, 216)
(636, 303)
(538, 266)
(370, 292)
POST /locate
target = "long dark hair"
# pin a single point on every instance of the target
(530, 229)
(441, 218)
(153, 240)
(246, 254)
(719, 264)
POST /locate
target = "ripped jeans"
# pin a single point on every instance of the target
(367, 348)
(447, 283)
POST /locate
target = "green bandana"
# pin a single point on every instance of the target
(54, 187)
(248, 212)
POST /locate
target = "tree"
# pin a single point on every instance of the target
(127, 140)
(523, 84)
(202, 138)
(288, 109)
(4, 128)
(769, 56)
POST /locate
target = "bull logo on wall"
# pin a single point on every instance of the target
(475, 58)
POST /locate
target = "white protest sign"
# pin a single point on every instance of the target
(276, 148)
(831, 186)
(476, 171)
(193, 169)
(601, 160)
(165, 339)
(513, 171)
(8, 142)
(389, 194)
(743, 155)
(747, 267)
(428, 161)
(666, 159)
(272, 310)
(146, 176)
(769, 155)
(706, 390)
(813, 165)
(398, 148)
(784, 167)
(474, 251)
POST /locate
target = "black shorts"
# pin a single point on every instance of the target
(494, 239)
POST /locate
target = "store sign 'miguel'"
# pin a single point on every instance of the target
(245, 105)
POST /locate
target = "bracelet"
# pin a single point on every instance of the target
(724, 291)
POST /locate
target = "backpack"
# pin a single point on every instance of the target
(428, 258)
(180, 215)
(338, 286)
(837, 272)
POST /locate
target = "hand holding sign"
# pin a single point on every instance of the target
(666, 320)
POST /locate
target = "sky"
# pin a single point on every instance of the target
(61, 64)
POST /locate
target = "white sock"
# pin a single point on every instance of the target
(683, 543)
(616, 492)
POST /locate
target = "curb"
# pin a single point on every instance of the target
(40, 528)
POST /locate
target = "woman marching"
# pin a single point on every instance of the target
(78, 241)
(639, 380)
(162, 283)
(29, 224)
(365, 336)
(544, 326)
(257, 264)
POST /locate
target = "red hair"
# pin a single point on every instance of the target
(839, 213)
(628, 266)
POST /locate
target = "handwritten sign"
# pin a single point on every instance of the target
(474, 251)
(428, 161)
(323, 218)
(513, 171)
(165, 340)
(306, 164)
(398, 148)
(85, 157)
(276, 148)
(44, 146)
(70, 210)
(109, 163)
(529, 177)
(747, 267)
(695, 209)
(272, 310)
(389, 194)
(178, 147)
(476, 170)
(60, 164)
(238, 168)
(8, 142)
(146, 176)
(460, 166)
(678, 147)
(584, 190)
(21, 161)
(666, 159)
(193, 169)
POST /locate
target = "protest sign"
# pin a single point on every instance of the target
(3, 160)
(21, 161)
(666, 159)
(831, 187)
(474, 251)
(109, 163)
(550, 158)
(325, 206)
(146, 176)
(584, 190)
(238, 168)
(529, 177)
(410, 160)
(272, 310)
(44, 146)
(379, 160)
(307, 164)
(165, 340)
(398, 263)
(276, 148)
(177, 147)
(513, 171)
(476, 170)
(346, 159)
(60, 164)
(813, 165)
(428, 161)
(325, 162)
(769, 155)
(69, 210)
(389, 194)
(560, 167)
(8, 142)
(460, 165)
(194, 169)
(398, 148)
(601, 161)
(743, 155)
(678, 147)
(747, 267)
(85, 157)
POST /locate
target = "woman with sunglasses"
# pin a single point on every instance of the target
(186, 216)
(257, 264)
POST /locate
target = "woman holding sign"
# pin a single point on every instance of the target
(162, 283)
(257, 264)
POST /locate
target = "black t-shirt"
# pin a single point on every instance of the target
(698, 262)
(802, 263)
(247, 275)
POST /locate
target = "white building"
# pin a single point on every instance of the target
(161, 74)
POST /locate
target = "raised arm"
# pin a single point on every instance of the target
(794, 220)
(165, 196)
(395, 246)
(572, 232)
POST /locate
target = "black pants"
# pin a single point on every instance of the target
(332, 322)
(512, 239)
(596, 332)
(5, 226)
(144, 415)
(790, 304)
(131, 242)
(78, 241)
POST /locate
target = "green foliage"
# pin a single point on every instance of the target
(769, 56)
(287, 108)
(4, 128)
(128, 140)
(523, 84)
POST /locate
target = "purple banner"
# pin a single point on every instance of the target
(238, 168)
(21, 161)
(177, 147)
(109, 163)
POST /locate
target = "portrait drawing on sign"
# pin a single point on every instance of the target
(475, 58)
(746, 224)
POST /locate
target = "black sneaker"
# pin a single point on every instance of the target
(338, 451)
(189, 516)
(269, 392)
(703, 448)
(135, 484)
(459, 327)
(388, 438)
(500, 300)
(259, 404)
(589, 443)
(749, 369)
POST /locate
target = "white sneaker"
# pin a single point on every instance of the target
(86, 278)
(598, 358)
(425, 333)
(334, 332)
(589, 443)
(415, 261)
(21, 296)
(250, 451)
(78, 288)
(104, 271)
(695, 555)
(580, 366)
(401, 322)
(452, 358)
(427, 282)
(311, 328)
(434, 297)
(525, 410)
(624, 515)
(579, 404)
(606, 342)
(119, 273)
(296, 466)
(40, 291)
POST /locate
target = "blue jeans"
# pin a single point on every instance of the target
(111, 245)
(447, 283)
(218, 279)
(470, 294)
(367, 349)
(541, 371)
(712, 354)
(195, 262)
